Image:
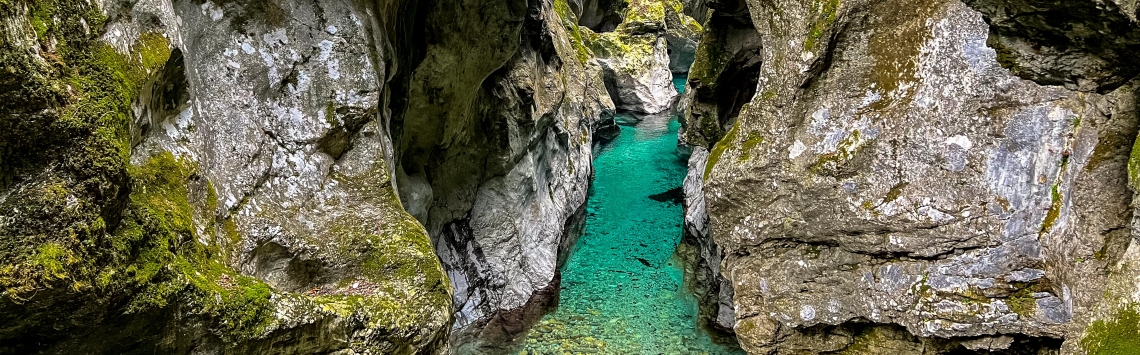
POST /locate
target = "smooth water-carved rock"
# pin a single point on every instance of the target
(890, 175)
(224, 176)
(499, 124)
(681, 33)
(638, 75)
(655, 40)
(722, 79)
(714, 291)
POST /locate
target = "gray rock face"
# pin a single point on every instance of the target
(723, 77)
(892, 183)
(496, 144)
(255, 207)
(715, 292)
(681, 33)
(270, 145)
(602, 15)
(640, 80)
(697, 9)
(1084, 45)
(655, 40)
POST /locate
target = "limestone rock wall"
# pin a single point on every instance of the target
(246, 177)
(655, 40)
(893, 184)
(722, 79)
(497, 141)
(243, 165)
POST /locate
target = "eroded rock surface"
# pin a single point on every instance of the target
(232, 177)
(722, 79)
(243, 164)
(891, 185)
(499, 131)
(1086, 45)
(655, 40)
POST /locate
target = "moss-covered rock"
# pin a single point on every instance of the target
(1117, 335)
(104, 256)
(723, 75)
(654, 40)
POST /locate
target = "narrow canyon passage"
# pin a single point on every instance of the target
(622, 288)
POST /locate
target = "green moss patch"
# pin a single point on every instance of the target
(98, 242)
(719, 148)
(1116, 335)
(1023, 303)
(710, 59)
(824, 13)
(396, 258)
(570, 22)
(1134, 166)
(895, 45)
(642, 12)
(754, 139)
(895, 192)
(1054, 210)
(159, 256)
(83, 99)
(835, 163)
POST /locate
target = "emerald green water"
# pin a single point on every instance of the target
(622, 287)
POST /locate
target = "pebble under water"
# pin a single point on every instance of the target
(622, 287)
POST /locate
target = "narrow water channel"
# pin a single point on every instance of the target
(622, 287)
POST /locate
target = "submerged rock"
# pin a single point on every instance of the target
(674, 195)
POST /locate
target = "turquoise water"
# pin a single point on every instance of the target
(679, 82)
(622, 288)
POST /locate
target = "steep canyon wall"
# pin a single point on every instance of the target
(917, 177)
(254, 177)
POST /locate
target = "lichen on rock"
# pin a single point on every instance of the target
(116, 226)
(655, 40)
(857, 188)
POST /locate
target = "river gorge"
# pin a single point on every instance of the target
(492, 177)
